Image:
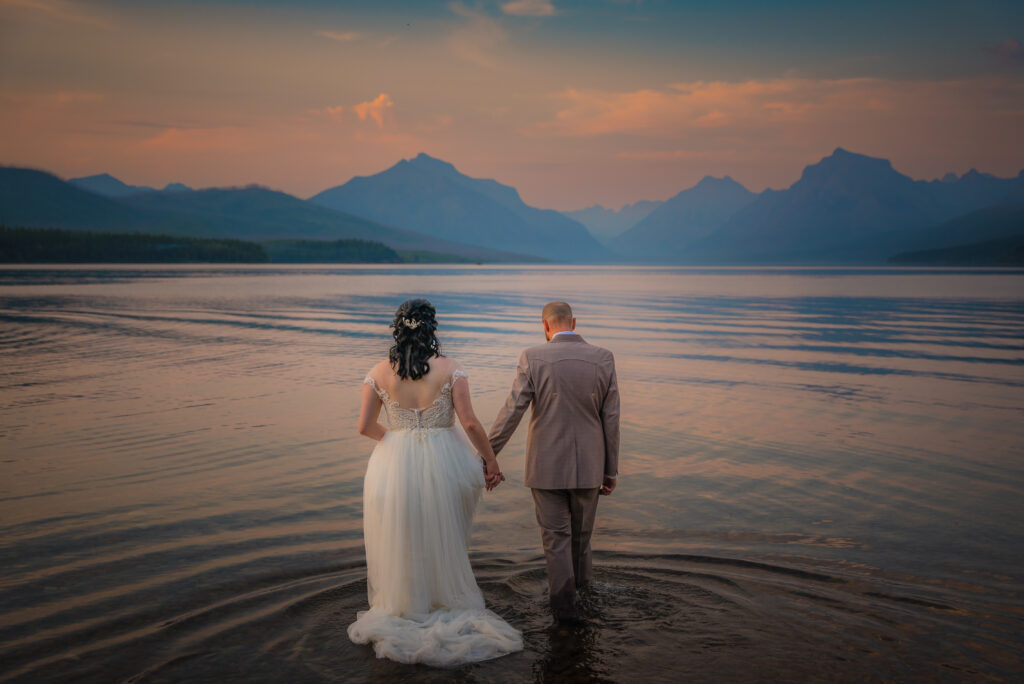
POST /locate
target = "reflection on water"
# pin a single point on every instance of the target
(822, 472)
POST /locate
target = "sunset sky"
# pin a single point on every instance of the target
(573, 103)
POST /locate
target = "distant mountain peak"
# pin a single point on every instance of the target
(844, 155)
(974, 173)
(101, 177)
(426, 162)
(111, 186)
(431, 196)
(711, 181)
(107, 185)
(845, 164)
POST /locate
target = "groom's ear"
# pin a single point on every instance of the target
(573, 324)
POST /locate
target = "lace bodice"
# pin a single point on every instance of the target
(440, 414)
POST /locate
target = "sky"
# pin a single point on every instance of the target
(574, 103)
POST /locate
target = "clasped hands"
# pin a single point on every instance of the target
(492, 474)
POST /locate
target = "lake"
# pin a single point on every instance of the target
(821, 475)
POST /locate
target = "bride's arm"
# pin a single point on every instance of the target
(369, 413)
(474, 429)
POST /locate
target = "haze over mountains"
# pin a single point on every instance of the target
(845, 209)
(667, 233)
(606, 224)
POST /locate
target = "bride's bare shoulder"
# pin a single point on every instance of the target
(380, 370)
(451, 366)
(445, 363)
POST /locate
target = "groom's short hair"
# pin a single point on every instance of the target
(557, 312)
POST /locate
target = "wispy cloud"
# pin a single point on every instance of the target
(200, 140)
(677, 154)
(473, 40)
(683, 108)
(1009, 51)
(375, 110)
(52, 99)
(330, 112)
(60, 10)
(341, 36)
(529, 8)
(137, 123)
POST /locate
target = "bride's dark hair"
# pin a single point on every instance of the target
(415, 336)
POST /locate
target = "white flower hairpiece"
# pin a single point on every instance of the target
(410, 323)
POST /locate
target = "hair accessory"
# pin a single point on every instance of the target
(410, 323)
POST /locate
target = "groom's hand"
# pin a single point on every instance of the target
(609, 486)
(492, 475)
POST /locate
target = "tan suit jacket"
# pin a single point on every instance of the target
(573, 439)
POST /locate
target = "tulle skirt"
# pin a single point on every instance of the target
(419, 495)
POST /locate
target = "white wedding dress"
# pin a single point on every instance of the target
(422, 485)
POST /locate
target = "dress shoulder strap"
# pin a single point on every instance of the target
(381, 392)
(446, 388)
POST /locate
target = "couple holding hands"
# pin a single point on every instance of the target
(424, 479)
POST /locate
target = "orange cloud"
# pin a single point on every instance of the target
(342, 36)
(783, 108)
(374, 109)
(682, 106)
(61, 11)
(201, 140)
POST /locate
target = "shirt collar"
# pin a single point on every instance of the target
(566, 335)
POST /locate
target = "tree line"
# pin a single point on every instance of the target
(52, 245)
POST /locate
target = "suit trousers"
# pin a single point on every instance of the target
(566, 519)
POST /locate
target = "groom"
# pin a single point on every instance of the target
(572, 448)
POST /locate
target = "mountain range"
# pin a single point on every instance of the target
(105, 184)
(34, 198)
(431, 197)
(846, 208)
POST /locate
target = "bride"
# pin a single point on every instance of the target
(422, 485)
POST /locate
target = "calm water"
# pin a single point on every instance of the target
(822, 472)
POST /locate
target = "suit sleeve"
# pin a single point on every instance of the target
(515, 406)
(610, 421)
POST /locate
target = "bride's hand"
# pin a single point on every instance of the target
(492, 474)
